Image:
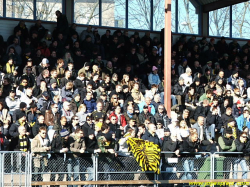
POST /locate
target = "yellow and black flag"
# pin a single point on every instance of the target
(146, 153)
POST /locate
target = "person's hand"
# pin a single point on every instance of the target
(177, 152)
(27, 133)
(211, 141)
(121, 127)
(97, 150)
(47, 148)
(196, 150)
(112, 151)
(215, 130)
(64, 150)
(82, 150)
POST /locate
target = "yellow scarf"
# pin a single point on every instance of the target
(21, 123)
(234, 131)
(9, 69)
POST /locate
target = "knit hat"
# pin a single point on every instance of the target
(230, 120)
(99, 124)
(45, 94)
(154, 68)
(64, 133)
(76, 94)
(108, 136)
(23, 105)
(234, 72)
(45, 61)
(52, 81)
(229, 131)
(91, 131)
(33, 105)
(209, 62)
(87, 64)
(20, 115)
(124, 87)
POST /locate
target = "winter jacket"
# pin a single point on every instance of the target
(152, 138)
(90, 104)
(240, 122)
(142, 117)
(68, 94)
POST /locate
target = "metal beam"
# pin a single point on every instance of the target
(220, 4)
(167, 57)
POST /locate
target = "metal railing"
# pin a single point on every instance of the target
(21, 168)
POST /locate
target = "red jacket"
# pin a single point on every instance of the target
(123, 120)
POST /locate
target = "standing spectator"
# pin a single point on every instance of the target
(39, 147)
(62, 24)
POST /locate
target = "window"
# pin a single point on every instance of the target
(188, 20)
(19, 9)
(139, 14)
(159, 11)
(240, 19)
(219, 22)
(1, 8)
(45, 10)
(113, 13)
(86, 12)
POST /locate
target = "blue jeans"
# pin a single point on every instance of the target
(173, 99)
(188, 166)
(73, 170)
(211, 129)
(243, 166)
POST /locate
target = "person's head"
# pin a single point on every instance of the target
(21, 130)
(42, 132)
(157, 98)
(243, 137)
(141, 128)
(188, 71)
(145, 109)
(23, 106)
(191, 91)
(99, 106)
(24, 82)
(63, 120)
(181, 81)
(118, 88)
(98, 126)
(194, 137)
(151, 128)
(185, 113)
(40, 119)
(246, 113)
(209, 93)
(132, 122)
(60, 62)
(89, 96)
(113, 120)
(75, 120)
(58, 13)
(241, 83)
(54, 108)
(229, 132)
(82, 108)
(66, 106)
(148, 101)
(183, 124)
(200, 120)
(229, 111)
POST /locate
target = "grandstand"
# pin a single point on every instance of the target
(124, 93)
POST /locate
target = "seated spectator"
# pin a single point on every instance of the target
(243, 120)
(14, 128)
(179, 90)
(188, 80)
(40, 123)
(153, 77)
(89, 102)
(66, 111)
(82, 114)
(18, 112)
(12, 101)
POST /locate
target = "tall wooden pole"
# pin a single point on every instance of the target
(167, 57)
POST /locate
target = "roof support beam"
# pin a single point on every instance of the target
(220, 4)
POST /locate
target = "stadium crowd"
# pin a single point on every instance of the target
(67, 92)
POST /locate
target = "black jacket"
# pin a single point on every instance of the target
(214, 119)
(148, 136)
(201, 111)
(178, 89)
(242, 147)
(188, 146)
(142, 117)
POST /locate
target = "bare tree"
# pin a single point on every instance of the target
(219, 22)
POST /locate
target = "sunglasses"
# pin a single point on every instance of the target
(88, 119)
(115, 98)
(75, 119)
(243, 136)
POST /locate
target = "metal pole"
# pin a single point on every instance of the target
(167, 57)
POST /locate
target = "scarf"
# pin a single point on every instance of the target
(21, 123)
(9, 69)
(130, 115)
(234, 131)
(23, 143)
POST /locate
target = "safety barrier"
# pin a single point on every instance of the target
(27, 169)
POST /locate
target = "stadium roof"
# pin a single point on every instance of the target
(210, 5)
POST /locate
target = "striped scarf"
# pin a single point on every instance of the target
(9, 69)
(234, 131)
(23, 143)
